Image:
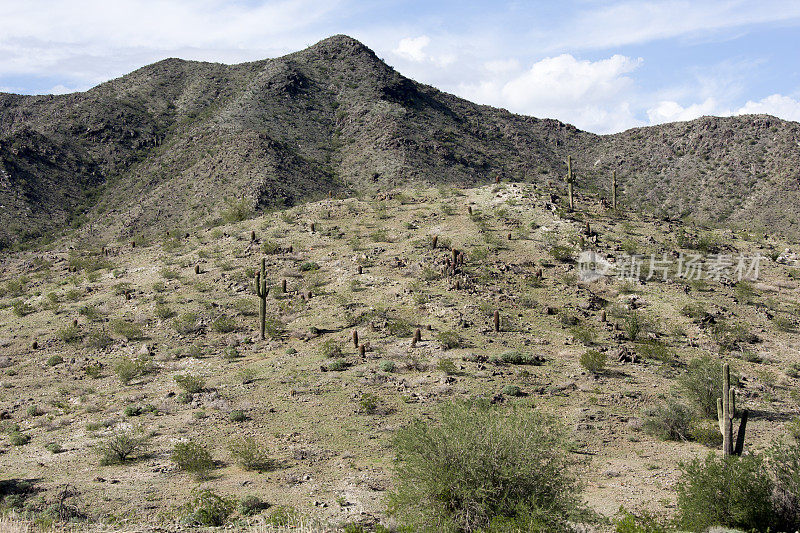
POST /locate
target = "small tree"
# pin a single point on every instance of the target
(483, 467)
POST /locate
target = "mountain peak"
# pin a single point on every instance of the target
(340, 45)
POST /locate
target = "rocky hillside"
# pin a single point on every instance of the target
(179, 144)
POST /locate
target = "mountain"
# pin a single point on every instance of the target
(179, 144)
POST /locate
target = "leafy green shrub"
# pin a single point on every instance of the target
(593, 361)
(223, 324)
(230, 353)
(516, 357)
(126, 329)
(309, 266)
(646, 522)
(189, 383)
(208, 509)
(192, 457)
(583, 334)
(69, 334)
(330, 349)
(17, 438)
(670, 421)
(703, 384)
(727, 491)
(784, 463)
(164, 312)
(337, 365)
(237, 415)
(98, 339)
(250, 454)
(283, 516)
(368, 403)
(730, 336)
(54, 360)
(447, 366)
(632, 326)
(399, 327)
(121, 446)
(128, 369)
(21, 308)
(655, 349)
(561, 253)
(270, 247)
(387, 366)
(186, 323)
(511, 390)
(486, 468)
(251, 505)
(449, 339)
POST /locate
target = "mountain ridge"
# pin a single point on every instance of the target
(177, 143)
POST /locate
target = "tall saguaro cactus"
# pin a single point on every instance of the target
(261, 291)
(726, 412)
(614, 189)
(570, 181)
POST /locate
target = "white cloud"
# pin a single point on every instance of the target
(778, 105)
(671, 111)
(411, 48)
(592, 95)
(501, 66)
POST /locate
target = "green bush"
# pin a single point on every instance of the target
(189, 383)
(309, 266)
(387, 366)
(237, 415)
(208, 509)
(17, 438)
(251, 505)
(670, 421)
(54, 360)
(128, 369)
(628, 522)
(449, 339)
(250, 454)
(593, 361)
(516, 357)
(69, 334)
(330, 349)
(186, 323)
(447, 366)
(784, 462)
(223, 324)
(725, 491)
(129, 330)
(337, 365)
(703, 384)
(121, 446)
(483, 467)
(368, 403)
(192, 457)
(511, 390)
(21, 308)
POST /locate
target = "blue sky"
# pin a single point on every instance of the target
(603, 66)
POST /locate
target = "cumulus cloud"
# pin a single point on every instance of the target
(671, 111)
(590, 94)
(411, 48)
(778, 105)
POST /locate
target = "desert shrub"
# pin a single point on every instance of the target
(632, 326)
(230, 353)
(516, 357)
(387, 366)
(628, 522)
(655, 349)
(784, 465)
(273, 327)
(192, 457)
(368, 403)
(54, 360)
(449, 339)
(90, 312)
(186, 323)
(21, 308)
(561, 253)
(703, 384)
(447, 366)
(121, 446)
(670, 421)
(127, 369)
(337, 365)
(69, 334)
(730, 336)
(593, 361)
(250, 454)
(483, 467)
(223, 324)
(98, 338)
(251, 505)
(164, 312)
(694, 310)
(270, 247)
(784, 324)
(399, 327)
(283, 516)
(725, 491)
(512, 390)
(126, 329)
(189, 383)
(309, 266)
(208, 509)
(583, 334)
(17, 438)
(237, 415)
(331, 348)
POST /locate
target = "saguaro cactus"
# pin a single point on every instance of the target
(570, 181)
(614, 189)
(497, 320)
(355, 338)
(726, 412)
(261, 291)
